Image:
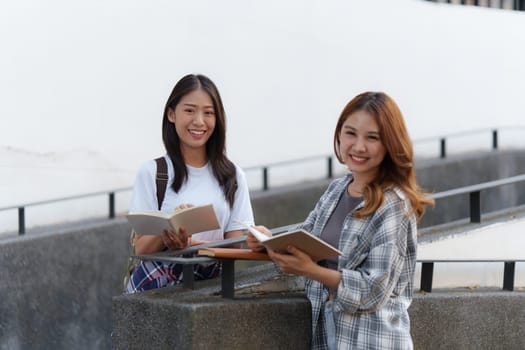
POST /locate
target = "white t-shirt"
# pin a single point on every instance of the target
(200, 188)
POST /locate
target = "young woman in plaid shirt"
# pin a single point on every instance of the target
(360, 300)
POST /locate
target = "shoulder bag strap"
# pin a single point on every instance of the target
(161, 179)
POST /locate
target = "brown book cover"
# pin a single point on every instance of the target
(233, 253)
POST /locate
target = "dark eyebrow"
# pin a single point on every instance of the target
(189, 104)
(370, 133)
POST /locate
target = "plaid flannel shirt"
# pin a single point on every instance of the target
(377, 265)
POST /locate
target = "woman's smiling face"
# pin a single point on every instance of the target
(360, 147)
(194, 119)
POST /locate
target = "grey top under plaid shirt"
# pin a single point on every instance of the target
(377, 265)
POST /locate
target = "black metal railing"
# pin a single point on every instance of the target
(474, 192)
(494, 133)
(265, 172)
(265, 169)
(517, 5)
(22, 207)
(441, 150)
(427, 271)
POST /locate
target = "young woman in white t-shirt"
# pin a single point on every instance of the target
(199, 172)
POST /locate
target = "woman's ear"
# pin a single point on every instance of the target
(171, 115)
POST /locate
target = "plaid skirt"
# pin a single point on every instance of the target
(154, 274)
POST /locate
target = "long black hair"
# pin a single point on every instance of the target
(223, 169)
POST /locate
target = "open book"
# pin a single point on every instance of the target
(195, 219)
(301, 239)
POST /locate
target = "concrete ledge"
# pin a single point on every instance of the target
(460, 319)
(275, 314)
(56, 289)
(269, 315)
(167, 321)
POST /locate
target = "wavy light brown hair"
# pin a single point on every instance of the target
(397, 168)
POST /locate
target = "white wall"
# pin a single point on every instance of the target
(83, 84)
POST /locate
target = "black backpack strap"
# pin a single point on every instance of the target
(161, 179)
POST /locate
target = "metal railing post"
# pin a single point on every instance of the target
(427, 272)
(21, 221)
(494, 139)
(228, 278)
(265, 178)
(508, 275)
(443, 146)
(111, 205)
(475, 207)
(188, 279)
(330, 168)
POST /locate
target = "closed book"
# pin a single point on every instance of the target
(233, 253)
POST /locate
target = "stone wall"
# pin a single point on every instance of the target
(274, 314)
(56, 288)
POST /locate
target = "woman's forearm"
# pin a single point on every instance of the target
(148, 244)
(330, 278)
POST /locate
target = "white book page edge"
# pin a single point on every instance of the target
(258, 234)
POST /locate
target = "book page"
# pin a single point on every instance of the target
(149, 223)
(305, 241)
(196, 219)
(261, 237)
